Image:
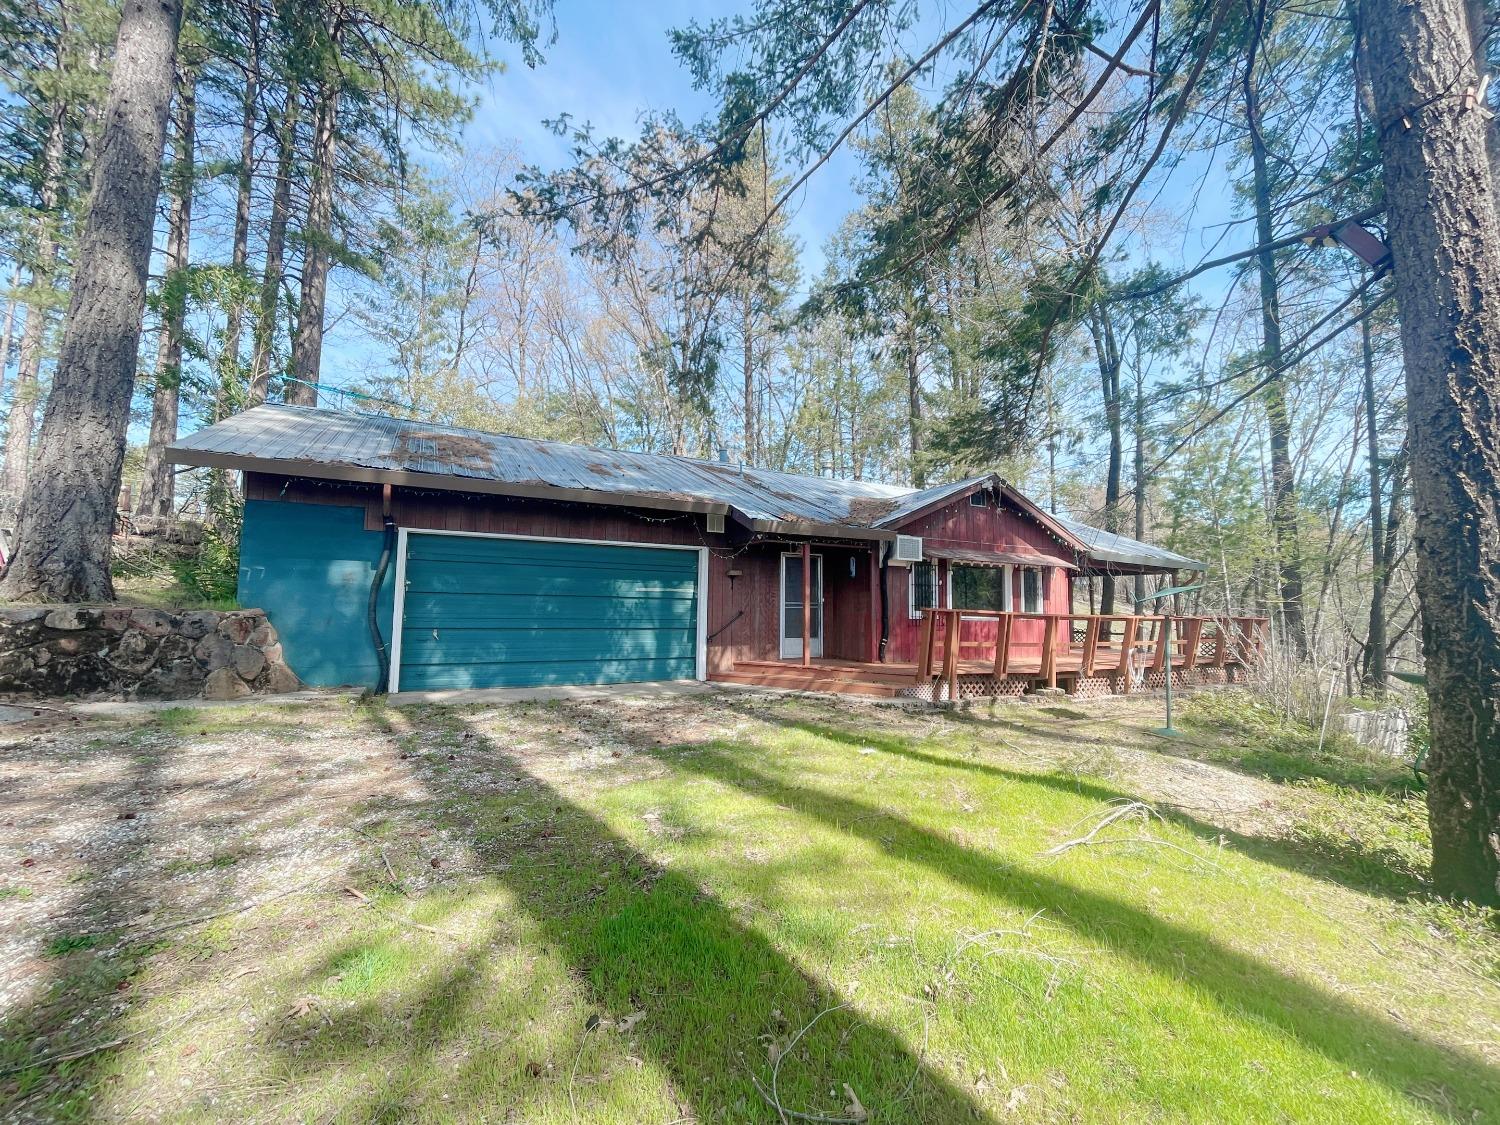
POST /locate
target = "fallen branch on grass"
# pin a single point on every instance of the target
(1127, 811)
(66, 1056)
(773, 1095)
(366, 900)
(385, 859)
(799, 1115)
(177, 924)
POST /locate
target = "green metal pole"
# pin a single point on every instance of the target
(1167, 625)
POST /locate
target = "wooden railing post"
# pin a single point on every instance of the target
(1221, 642)
(1090, 644)
(950, 653)
(1192, 633)
(1049, 652)
(1160, 657)
(924, 649)
(1128, 634)
(1002, 645)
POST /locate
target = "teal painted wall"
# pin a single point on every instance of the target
(309, 566)
(519, 613)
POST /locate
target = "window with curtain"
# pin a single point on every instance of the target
(922, 588)
(1031, 590)
(978, 587)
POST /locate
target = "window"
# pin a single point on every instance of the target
(977, 587)
(979, 499)
(921, 588)
(1031, 590)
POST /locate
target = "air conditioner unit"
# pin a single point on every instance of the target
(908, 549)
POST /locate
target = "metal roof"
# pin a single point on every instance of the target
(1107, 547)
(913, 502)
(972, 557)
(305, 441)
(311, 442)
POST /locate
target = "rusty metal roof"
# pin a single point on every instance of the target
(1106, 547)
(304, 441)
(968, 556)
(311, 442)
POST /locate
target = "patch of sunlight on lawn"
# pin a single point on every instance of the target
(863, 918)
(1157, 975)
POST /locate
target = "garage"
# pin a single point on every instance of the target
(483, 611)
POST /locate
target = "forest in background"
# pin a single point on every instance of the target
(313, 156)
(1003, 293)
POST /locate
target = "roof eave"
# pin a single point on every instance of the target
(360, 474)
(820, 530)
(1104, 564)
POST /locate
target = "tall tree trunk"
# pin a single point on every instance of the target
(1445, 246)
(913, 397)
(10, 323)
(749, 334)
(1278, 414)
(271, 278)
(307, 345)
(157, 493)
(67, 516)
(239, 254)
(1374, 674)
(1107, 352)
(23, 400)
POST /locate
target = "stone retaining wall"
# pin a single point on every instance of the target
(135, 653)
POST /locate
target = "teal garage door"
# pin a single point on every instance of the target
(481, 613)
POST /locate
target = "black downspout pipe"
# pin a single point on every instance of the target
(885, 598)
(382, 655)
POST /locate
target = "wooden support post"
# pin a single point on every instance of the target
(1221, 642)
(1049, 652)
(950, 654)
(1160, 658)
(924, 649)
(1192, 630)
(1128, 635)
(806, 606)
(1002, 645)
(1090, 644)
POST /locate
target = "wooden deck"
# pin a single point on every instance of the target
(1080, 653)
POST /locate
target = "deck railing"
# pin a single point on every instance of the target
(1043, 645)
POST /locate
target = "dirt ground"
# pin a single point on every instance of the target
(124, 827)
(122, 824)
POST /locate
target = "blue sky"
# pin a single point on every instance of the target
(611, 64)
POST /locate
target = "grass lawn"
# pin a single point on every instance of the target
(691, 909)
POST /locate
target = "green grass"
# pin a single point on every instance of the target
(868, 898)
(166, 578)
(1254, 736)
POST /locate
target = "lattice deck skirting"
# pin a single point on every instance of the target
(1093, 687)
(1083, 687)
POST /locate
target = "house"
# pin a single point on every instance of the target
(418, 557)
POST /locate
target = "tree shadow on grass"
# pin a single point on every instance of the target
(88, 957)
(1248, 990)
(631, 936)
(1342, 860)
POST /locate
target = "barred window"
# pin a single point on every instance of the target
(922, 588)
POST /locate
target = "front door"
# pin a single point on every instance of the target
(791, 606)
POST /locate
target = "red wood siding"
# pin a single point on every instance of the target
(743, 578)
(990, 528)
(752, 636)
